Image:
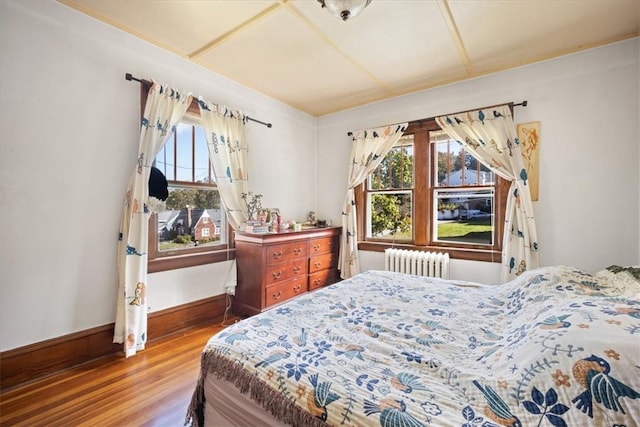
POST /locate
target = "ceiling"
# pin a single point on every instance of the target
(296, 52)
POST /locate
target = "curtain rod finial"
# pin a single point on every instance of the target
(128, 76)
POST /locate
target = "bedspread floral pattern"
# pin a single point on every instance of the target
(553, 347)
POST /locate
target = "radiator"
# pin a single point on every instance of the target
(420, 263)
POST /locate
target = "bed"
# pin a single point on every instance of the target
(554, 347)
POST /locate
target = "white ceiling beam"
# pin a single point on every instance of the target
(455, 34)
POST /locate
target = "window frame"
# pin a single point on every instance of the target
(158, 261)
(424, 154)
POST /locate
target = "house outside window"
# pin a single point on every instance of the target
(193, 229)
(429, 194)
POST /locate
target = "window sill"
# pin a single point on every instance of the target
(469, 254)
(191, 260)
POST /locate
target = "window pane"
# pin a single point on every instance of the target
(194, 217)
(395, 172)
(450, 171)
(464, 216)
(185, 153)
(164, 160)
(390, 215)
(456, 167)
(201, 157)
(192, 151)
(476, 172)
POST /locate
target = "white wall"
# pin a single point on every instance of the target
(69, 128)
(588, 214)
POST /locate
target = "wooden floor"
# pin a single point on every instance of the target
(152, 388)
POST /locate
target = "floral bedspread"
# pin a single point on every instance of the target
(554, 347)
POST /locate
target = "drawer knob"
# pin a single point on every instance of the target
(277, 274)
(297, 251)
(316, 247)
(316, 282)
(296, 289)
(277, 255)
(317, 264)
(277, 295)
(331, 245)
(296, 269)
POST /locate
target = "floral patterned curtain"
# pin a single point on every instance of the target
(490, 135)
(225, 130)
(368, 150)
(164, 109)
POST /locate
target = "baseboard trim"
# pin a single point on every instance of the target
(25, 364)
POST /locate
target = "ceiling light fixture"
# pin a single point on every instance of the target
(345, 9)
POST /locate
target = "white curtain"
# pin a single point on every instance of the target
(367, 152)
(164, 109)
(491, 136)
(226, 134)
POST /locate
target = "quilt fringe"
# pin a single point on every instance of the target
(281, 407)
(195, 411)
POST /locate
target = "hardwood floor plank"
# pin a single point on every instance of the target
(150, 389)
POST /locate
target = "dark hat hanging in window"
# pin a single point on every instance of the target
(158, 184)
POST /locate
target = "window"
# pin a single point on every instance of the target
(429, 193)
(390, 194)
(463, 194)
(193, 228)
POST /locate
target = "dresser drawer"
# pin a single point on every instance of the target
(323, 245)
(274, 267)
(286, 252)
(323, 278)
(282, 292)
(322, 262)
(282, 272)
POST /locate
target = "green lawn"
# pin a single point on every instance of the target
(168, 246)
(470, 232)
(171, 245)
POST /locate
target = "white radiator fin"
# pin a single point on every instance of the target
(419, 263)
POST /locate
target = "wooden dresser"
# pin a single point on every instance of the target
(273, 268)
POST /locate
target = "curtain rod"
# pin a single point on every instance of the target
(129, 77)
(520, 104)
